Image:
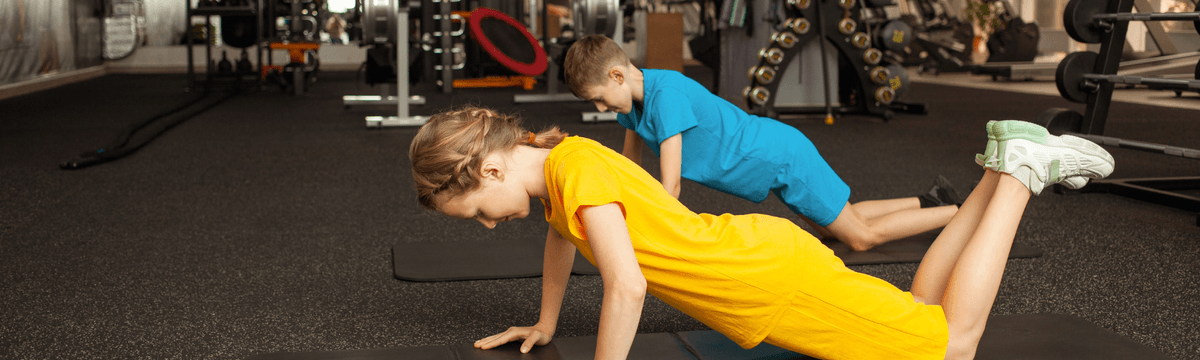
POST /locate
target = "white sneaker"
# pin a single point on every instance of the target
(1049, 159)
(1073, 182)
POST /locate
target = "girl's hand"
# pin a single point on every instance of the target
(532, 335)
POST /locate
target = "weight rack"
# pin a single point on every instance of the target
(1088, 77)
(868, 81)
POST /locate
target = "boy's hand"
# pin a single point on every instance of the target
(532, 335)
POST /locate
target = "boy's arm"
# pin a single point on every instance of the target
(633, 147)
(556, 270)
(671, 160)
(624, 284)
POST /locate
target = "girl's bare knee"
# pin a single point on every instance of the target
(964, 340)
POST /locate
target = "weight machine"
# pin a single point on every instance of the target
(1089, 77)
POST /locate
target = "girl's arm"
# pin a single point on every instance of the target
(624, 285)
(633, 147)
(556, 270)
(671, 160)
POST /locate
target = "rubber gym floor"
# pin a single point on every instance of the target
(265, 224)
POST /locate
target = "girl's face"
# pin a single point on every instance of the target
(494, 201)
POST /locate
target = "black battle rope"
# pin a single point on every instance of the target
(120, 147)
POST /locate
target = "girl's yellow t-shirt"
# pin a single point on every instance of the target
(735, 274)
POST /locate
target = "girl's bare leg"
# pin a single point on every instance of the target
(975, 280)
(934, 272)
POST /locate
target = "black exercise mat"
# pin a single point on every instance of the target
(909, 250)
(1029, 337)
(1032, 337)
(474, 260)
(480, 260)
(1056, 336)
(656, 346)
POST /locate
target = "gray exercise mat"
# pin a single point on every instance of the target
(515, 258)
(1031, 337)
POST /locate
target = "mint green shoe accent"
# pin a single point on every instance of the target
(1054, 175)
(1016, 129)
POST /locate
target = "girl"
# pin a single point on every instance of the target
(752, 277)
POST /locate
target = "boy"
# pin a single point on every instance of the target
(704, 138)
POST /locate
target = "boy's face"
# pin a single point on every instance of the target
(613, 95)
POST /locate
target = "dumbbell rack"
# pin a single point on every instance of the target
(1088, 77)
(868, 82)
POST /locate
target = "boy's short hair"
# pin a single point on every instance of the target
(588, 61)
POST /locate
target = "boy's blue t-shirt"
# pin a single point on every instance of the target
(724, 147)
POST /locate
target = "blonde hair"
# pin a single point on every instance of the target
(588, 61)
(447, 152)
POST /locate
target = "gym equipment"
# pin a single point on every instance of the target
(1166, 61)
(517, 257)
(942, 38)
(402, 117)
(141, 133)
(238, 17)
(868, 83)
(120, 29)
(1016, 42)
(504, 50)
(383, 33)
(1033, 337)
(592, 17)
(1089, 78)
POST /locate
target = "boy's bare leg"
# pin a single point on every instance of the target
(934, 272)
(861, 233)
(975, 279)
(871, 209)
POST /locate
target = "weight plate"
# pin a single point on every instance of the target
(785, 40)
(772, 56)
(861, 40)
(880, 3)
(801, 26)
(880, 75)
(764, 75)
(885, 95)
(1077, 20)
(746, 92)
(898, 79)
(1069, 75)
(895, 36)
(846, 4)
(759, 95)
(799, 4)
(750, 73)
(1060, 121)
(872, 56)
(847, 26)
(595, 17)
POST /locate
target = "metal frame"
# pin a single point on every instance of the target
(402, 117)
(1162, 191)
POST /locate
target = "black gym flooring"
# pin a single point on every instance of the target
(265, 224)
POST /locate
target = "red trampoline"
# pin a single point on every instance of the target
(509, 43)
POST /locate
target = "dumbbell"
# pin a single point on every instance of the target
(1086, 21)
